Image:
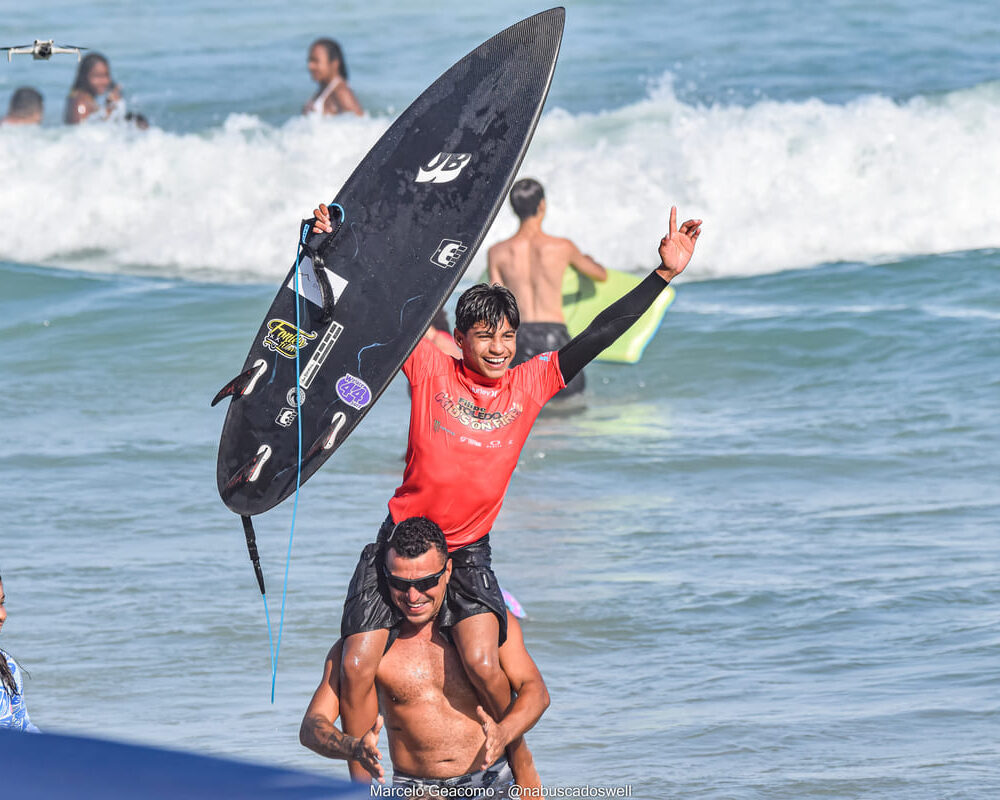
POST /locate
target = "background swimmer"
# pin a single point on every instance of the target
(93, 79)
(328, 68)
(25, 107)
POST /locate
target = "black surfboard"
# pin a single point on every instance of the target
(413, 214)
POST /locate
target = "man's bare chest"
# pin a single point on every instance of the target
(415, 672)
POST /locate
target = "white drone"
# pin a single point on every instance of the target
(41, 50)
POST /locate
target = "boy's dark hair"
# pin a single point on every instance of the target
(415, 536)
(525, 197)
(333, 52)
(487, 304)
(25, 102)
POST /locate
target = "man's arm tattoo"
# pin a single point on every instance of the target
(329, 741)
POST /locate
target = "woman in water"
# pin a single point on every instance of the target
(327, 67)
(93, 78)
(13, 712)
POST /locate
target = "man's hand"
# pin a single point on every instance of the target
(367, 754)
(322, 224)
(496, 738)
(677, 247)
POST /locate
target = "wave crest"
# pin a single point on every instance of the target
(779, 185)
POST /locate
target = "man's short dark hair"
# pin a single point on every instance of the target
(413, 537)
(525, 197)
(25, 102)
(487, 304)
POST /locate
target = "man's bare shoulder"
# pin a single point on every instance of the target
(500, 249)
(563, 243)
(555, 252)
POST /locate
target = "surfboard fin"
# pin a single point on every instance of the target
(250, 471)
(327, 438)
(243, 383)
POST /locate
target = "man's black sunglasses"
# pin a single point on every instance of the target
(424, 584)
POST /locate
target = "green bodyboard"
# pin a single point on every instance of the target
(583, 299)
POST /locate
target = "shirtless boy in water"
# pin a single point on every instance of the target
(531, 264)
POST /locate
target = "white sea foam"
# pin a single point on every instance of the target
(742, 310)
(961, 313)
(779, 185)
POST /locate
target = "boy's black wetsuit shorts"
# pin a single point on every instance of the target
(535, 338)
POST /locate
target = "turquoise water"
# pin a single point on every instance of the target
(761, 564)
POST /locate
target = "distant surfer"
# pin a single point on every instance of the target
(93, 79)
(25, 107)
(469, 419)
(531, 264)
(440, 737)
(328, 68)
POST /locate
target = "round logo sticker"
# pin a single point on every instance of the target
(353, 391)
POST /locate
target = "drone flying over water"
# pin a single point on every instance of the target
(41, 50)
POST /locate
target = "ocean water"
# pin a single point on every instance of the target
(760, 564)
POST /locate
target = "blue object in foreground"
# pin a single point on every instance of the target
(44, 765)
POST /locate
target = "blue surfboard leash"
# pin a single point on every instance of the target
(276, 647)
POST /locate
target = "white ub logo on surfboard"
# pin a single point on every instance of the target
(443, 168)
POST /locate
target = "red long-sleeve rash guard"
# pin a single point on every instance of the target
(466, 434)
(467, 431)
